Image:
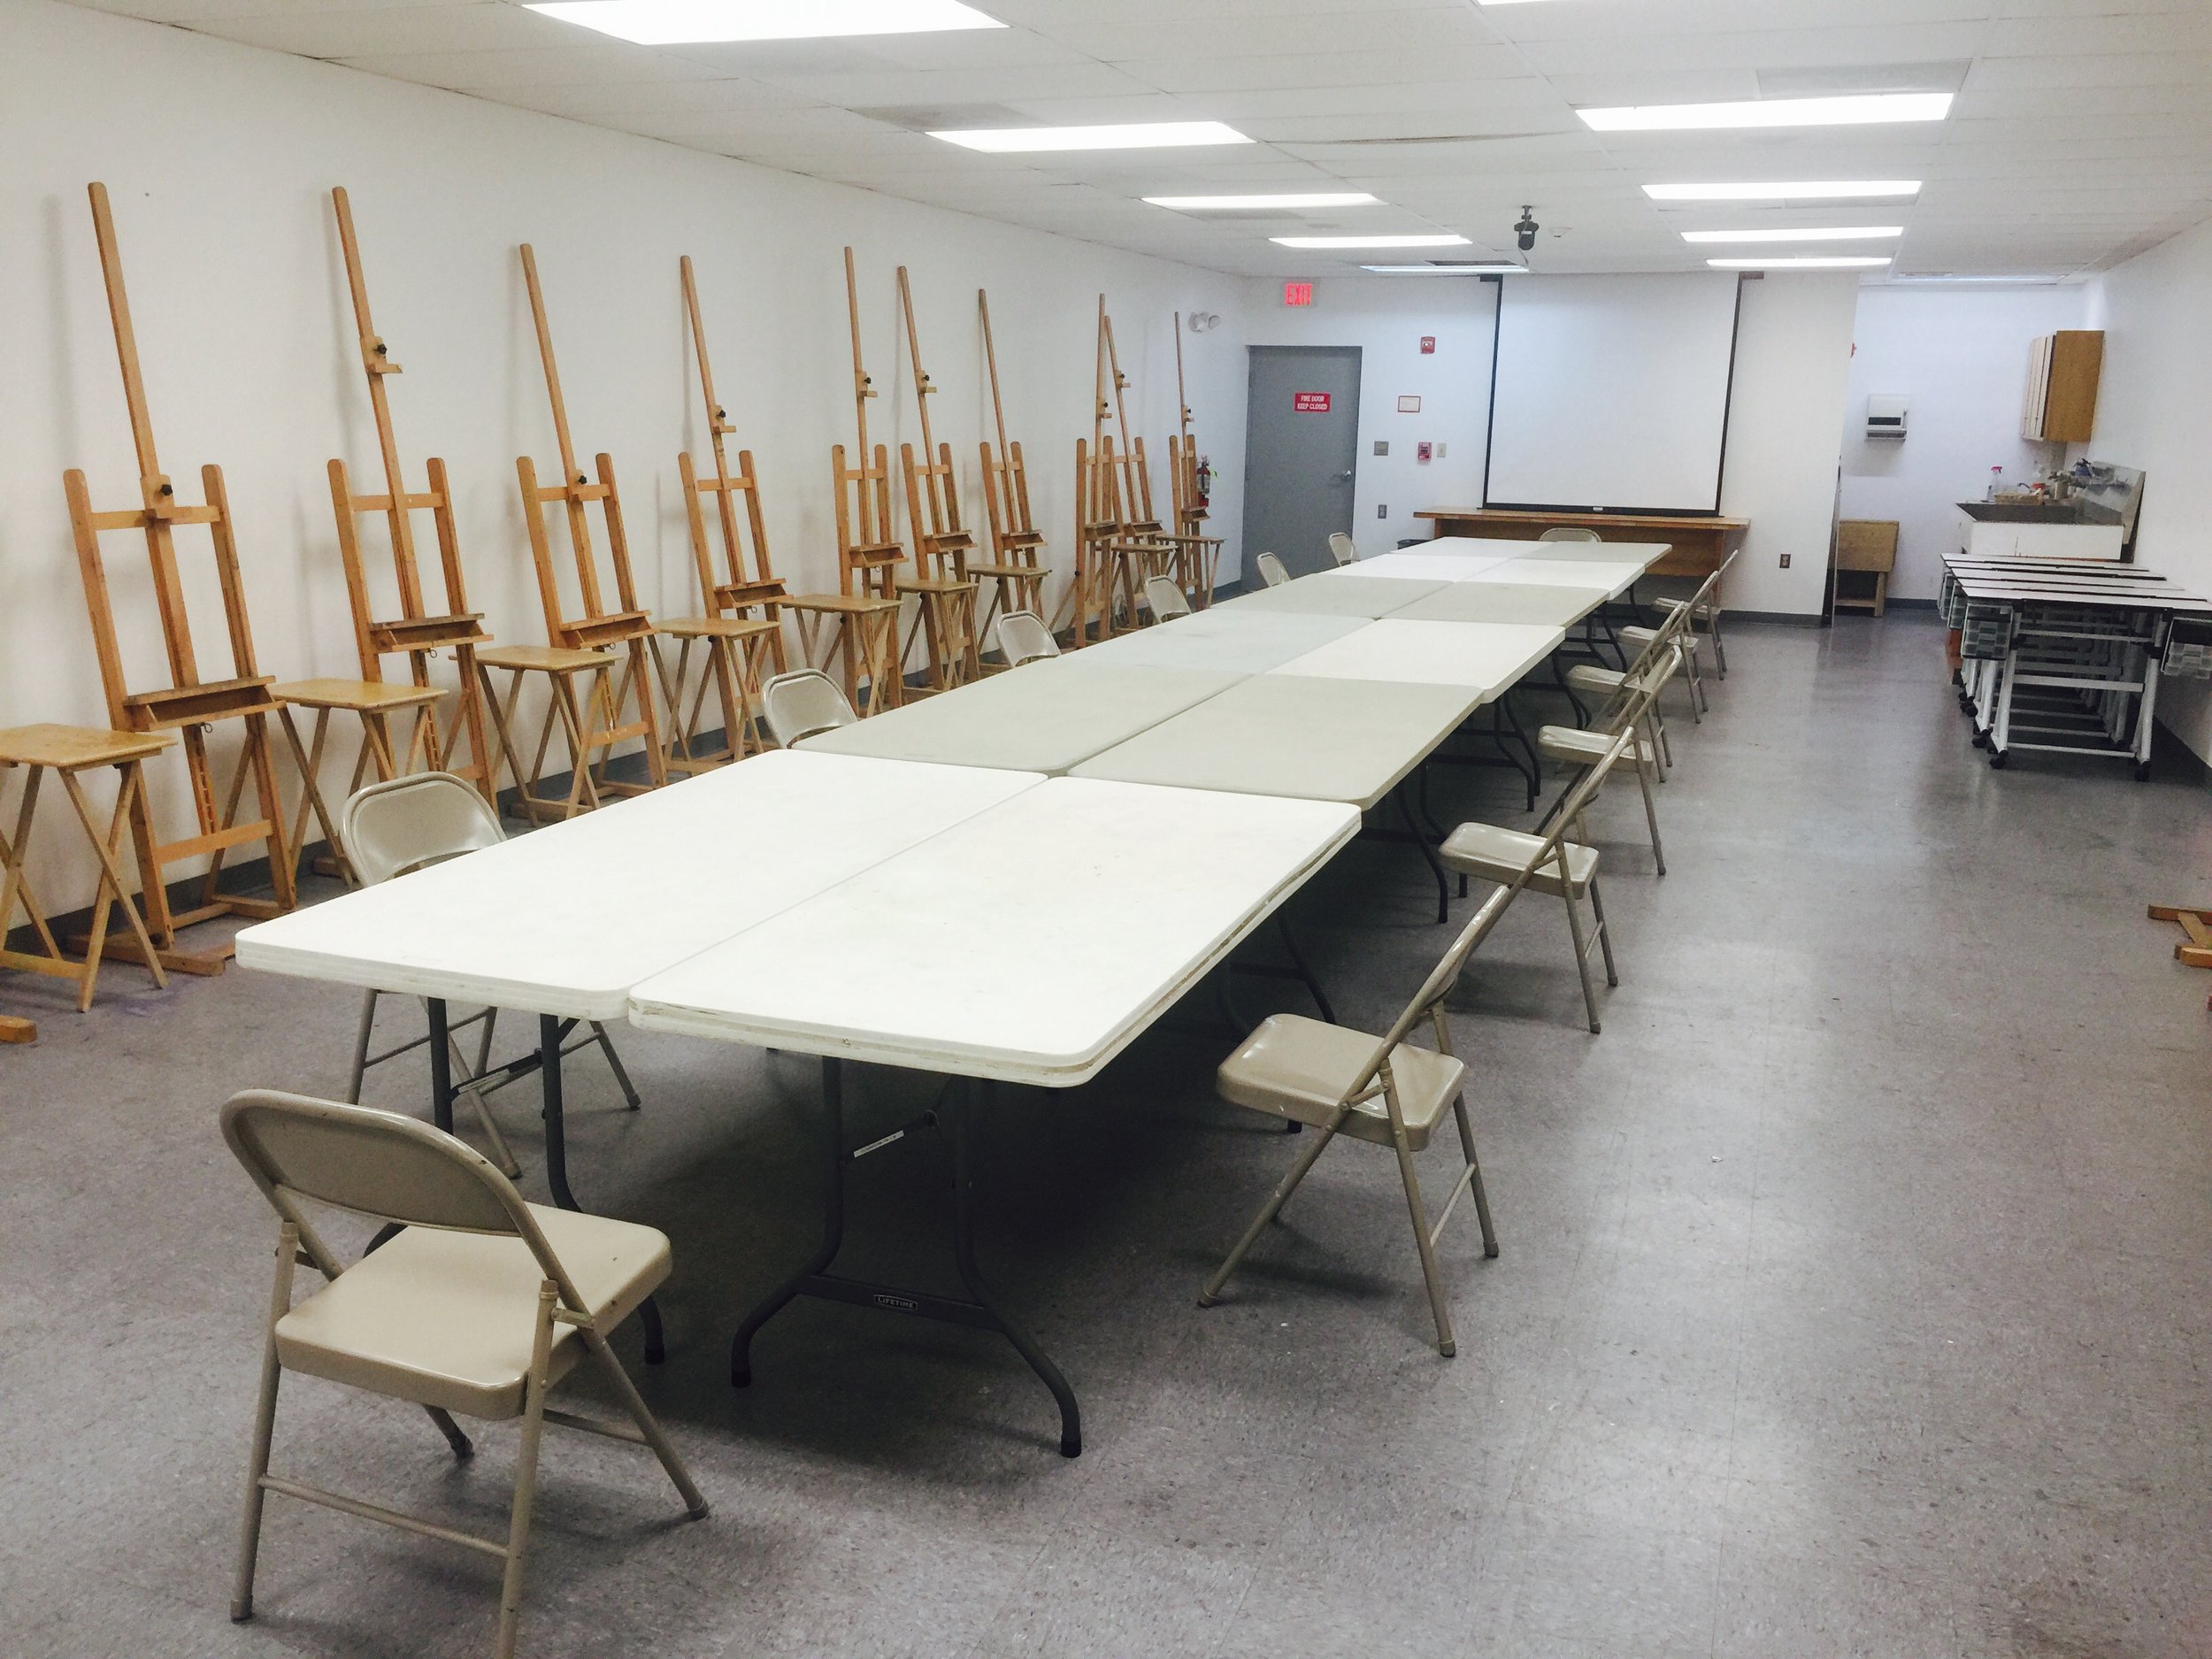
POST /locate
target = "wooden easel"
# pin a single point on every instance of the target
(1141, 547)
(597, 630)
(1089, 600)
(741, 647)
(186, 704)
(417, 631)
(1014, 571)
(1198, 556)
(946, 617)
(863, 613)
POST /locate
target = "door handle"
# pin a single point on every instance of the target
(1341, 478)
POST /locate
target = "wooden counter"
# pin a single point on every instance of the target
(1700, 542)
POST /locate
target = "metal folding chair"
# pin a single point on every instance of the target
(1342, 548)
(1024, 638)
(802, 702)
(1166, 598)
(1270, 569)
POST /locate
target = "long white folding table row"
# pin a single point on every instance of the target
(1180, 805)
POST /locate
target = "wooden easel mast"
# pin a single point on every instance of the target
(1197, 554)
(416, 632)
(946, 615)
(1015, 539)
(187, 704)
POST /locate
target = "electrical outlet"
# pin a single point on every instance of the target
(1440, 451)
(1382, 509)
(1785, 561)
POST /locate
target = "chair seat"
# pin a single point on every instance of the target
(1497, 853)
(1641, 638)
(1302, 1069)
(1572, 746)
(447, 1318)
(1590, 676)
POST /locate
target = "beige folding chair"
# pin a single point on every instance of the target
(1663, 650)
(1551, 864)
(1627, 711)
(1569, 533)
(1270, 569)
(1342, 548)
(1706, 611)
(409, 822)
(477, 1306)
(802, 702)
(1165, 596)
(1385, 1092)
(1024, 638)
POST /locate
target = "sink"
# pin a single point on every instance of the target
(2023, 512)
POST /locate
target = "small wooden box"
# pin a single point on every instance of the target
(1866, 552)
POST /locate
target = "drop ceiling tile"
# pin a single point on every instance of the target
(358, 32)
(596, 64)
(1787, 49)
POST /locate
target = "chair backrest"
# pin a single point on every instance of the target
(1569, 533)
(404, 824)
(1342, 548)
(378, 1164)
(1024, 638)
(1442, 978)
(801, 703)
(1166, 597)
(1270, 569)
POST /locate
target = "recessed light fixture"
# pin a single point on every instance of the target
(1951, 276)
(1127, 136)
(1447, 270)
(1839, 233)
(698, 22)
(1309, 198)
(1804, 262)
(1370, 241)
(1850, 110)
(1795, 190)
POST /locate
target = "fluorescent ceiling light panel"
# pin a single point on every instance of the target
(1447, 270)
(1803, 262)
(1370, 241)
(1838, 233)
(1310, 198)
(695, 22)
(1795, 190)
(1948, 276)
(1131, 135)
(1852, 110)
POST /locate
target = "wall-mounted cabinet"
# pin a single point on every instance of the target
(2062, 401)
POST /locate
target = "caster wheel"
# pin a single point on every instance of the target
(1996, 760)
(2143, 773)
(1981, 739)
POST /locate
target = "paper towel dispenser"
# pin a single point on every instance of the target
(1885, 415)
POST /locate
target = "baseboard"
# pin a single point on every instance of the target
(1731, 616)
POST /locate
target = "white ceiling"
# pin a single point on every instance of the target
(2082, 133)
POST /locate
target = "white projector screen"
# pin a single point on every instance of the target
(1611, 391)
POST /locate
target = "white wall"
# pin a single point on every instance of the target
(1792, 359)
(1386, 317)
(1961, 355)
(220, 159)
(2155, 411)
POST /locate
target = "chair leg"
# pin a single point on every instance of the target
(1582, 955)
(1315, 1146)
(361, 1047)
(264, 1424)
(1474, 1180)
(527, 1472)
(1651, 811)
(648, 1424)
(614, 1064)
(1419, 1212)
(500, 1155)
(1720, 653)
(1605, 934)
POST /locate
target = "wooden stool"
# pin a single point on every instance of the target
(66, 750)
(375, 702)
(560, 666)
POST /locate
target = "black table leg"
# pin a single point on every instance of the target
(441, 1066)
(1428, 853)
(976, 1311)
(1558, 678)
(552, 1031)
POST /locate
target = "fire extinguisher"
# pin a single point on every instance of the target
(1205, 482)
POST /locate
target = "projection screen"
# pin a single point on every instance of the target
(1611, 392)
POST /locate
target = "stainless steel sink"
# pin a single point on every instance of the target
(2023, 512)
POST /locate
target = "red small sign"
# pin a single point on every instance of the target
(1428, 345)
(1297, 293)
(1310, 402)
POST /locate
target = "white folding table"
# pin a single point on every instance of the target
(1017, 990)
(1611, 577)
(1222, 638)
(1484, 657)
(1420, 563)
(1044, 716)
(1340, 593)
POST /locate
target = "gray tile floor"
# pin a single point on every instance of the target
(1854, 1297)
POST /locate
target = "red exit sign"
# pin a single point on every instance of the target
(1310, 402)
(1297, 293)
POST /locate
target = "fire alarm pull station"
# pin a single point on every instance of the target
(1428, 345)
(1421, 451)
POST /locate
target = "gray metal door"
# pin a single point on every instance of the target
(1300, 444)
